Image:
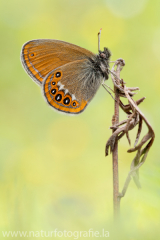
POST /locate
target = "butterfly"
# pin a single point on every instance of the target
(69, 75)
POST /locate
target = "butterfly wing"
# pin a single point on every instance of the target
(69, 88)
(39, 57)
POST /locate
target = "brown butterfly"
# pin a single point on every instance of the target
(68, 74)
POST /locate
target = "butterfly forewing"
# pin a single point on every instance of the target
(39, 57)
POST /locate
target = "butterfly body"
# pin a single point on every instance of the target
(68, 74)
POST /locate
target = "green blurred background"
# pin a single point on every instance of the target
(53, 172)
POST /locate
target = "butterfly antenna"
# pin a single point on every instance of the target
(99, 36)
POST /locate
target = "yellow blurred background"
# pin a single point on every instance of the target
(53, 172)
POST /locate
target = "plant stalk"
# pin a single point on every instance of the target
(116, 199)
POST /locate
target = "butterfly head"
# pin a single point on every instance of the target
(103, 59)
(105, 54)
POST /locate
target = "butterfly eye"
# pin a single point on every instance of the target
(103, 55)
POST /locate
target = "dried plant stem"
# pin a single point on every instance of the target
(115, 120)
(135, 117)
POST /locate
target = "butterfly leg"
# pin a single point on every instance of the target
(105, 87)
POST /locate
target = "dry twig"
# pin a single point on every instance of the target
(135, 117)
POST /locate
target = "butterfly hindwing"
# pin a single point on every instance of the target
(39, 57)
(69, 88)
